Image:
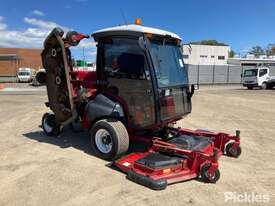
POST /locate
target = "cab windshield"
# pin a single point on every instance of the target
(24, 73)
(250, 73)
(168, 64)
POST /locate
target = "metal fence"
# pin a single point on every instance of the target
(218, 74)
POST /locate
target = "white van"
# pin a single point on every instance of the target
(25, 74)
(258, 77)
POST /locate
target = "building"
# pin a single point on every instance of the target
(82, 65)
(197, 54)
(251, 60)
(13, 58)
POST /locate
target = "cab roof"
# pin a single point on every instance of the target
(132, 29)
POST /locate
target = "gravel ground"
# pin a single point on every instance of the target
(39, 170)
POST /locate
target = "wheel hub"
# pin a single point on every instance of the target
(232, 150)
(103, 141)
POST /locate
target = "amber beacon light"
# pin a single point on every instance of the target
(138, 21)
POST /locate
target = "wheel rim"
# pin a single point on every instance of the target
(48, 128)
(233, 151)
(210, 176)
(103, 141)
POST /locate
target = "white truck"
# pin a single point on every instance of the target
(258, 77)
(25, 74)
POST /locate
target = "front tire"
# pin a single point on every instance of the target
(264, 85)
(109, 139)
(49, 125)
(249, 87)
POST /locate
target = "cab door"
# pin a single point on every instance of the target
(263, 74)
(127, 73)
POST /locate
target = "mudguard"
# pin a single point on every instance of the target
(102, 106)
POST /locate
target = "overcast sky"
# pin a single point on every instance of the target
(239, 23)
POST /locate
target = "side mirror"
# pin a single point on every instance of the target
(241, 75)
(141, 42)
(144, 42)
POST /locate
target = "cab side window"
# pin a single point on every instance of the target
(262, 72)
(125, 59)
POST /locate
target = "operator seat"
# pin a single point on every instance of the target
(131, 64)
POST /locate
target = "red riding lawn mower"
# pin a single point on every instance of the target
(139, 89)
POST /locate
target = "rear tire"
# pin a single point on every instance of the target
(49, 125)
(109, 139)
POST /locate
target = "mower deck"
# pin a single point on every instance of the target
(179, 159)
(225, 143)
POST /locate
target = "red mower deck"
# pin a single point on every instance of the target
(168, 162)
(226, 143)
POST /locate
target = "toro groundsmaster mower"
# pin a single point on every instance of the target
(139, 89)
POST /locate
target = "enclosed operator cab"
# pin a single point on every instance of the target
(140, 86)
(143, 67)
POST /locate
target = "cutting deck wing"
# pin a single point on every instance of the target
(56, 61)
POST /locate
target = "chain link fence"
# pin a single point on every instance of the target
(218, 74)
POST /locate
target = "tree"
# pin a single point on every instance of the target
(209, 42)
(257, 51)
(231, 54)
(270, 50)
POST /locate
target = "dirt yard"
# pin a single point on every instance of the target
(39, 170)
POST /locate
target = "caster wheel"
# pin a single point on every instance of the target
(49, 125)
(233, 152)
(207, 177)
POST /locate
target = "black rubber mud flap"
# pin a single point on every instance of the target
(146, 181)
(56, 60)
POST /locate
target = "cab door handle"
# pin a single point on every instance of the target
(148, 91)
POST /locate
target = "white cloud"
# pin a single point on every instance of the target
(2, 25)
(47, 25)
(38, 12)
(35, 34)
(32, 37)
(87, 43)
